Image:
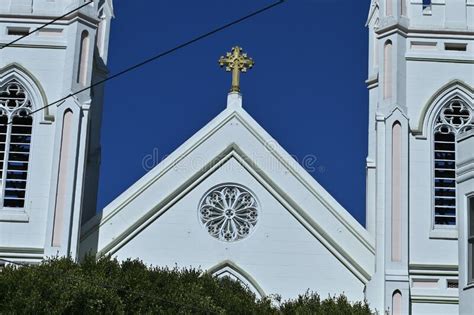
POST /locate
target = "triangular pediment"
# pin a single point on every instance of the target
(233, 135)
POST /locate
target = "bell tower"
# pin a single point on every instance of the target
(421, 77)
(50, 154)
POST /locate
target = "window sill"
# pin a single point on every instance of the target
(446, 234)
(14, 216)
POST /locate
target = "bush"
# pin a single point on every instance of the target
(60, 286)
(310, 303)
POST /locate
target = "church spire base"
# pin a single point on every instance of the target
(234, 100)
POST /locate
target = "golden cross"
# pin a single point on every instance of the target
(236, 61)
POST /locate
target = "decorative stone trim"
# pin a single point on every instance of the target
(229, 212)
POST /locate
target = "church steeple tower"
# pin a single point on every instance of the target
(50, 158)
(420, 75)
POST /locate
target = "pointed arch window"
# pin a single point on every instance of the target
(387, 76)
(83, 58)
(455, 117)
(228, 269)
(15, 141)
(397, 303)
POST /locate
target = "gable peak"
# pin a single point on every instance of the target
(234, 100)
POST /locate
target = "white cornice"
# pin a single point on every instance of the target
(41, 19)
(434, 299)
(428, 269)
(22, 253)
(443, 58)
(392, 26)
(373, 81)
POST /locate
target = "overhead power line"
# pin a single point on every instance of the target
(162, 54)
(44, 25)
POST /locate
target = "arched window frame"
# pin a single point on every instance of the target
(34, 88)
(396, 198)
(397, 302)
(387, 70)
(83, 65)
(228, 268)
(16, 130)
(447, 124)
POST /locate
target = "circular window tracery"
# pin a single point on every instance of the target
(456, 114)
(229, 212)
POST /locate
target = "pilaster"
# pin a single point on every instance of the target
(465, 210)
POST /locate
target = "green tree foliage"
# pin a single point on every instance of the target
(311, 303)
(61, 286)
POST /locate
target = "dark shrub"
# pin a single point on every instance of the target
(61, 286)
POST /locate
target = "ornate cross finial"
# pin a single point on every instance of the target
(236, 61)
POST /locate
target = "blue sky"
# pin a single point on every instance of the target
(307, 87)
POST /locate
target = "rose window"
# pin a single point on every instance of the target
(229, 212)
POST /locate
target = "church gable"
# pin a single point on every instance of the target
(235, 145)
(257, 231)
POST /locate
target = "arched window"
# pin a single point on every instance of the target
(15, 140)
(397, 303)
(228, 269)
(455, 117)
(387, 77)
(64, 169)
(83, 59)
(396, 192)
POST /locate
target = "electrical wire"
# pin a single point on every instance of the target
(159, 55)
(44, 25)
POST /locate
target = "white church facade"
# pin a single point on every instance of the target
(231, 200)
